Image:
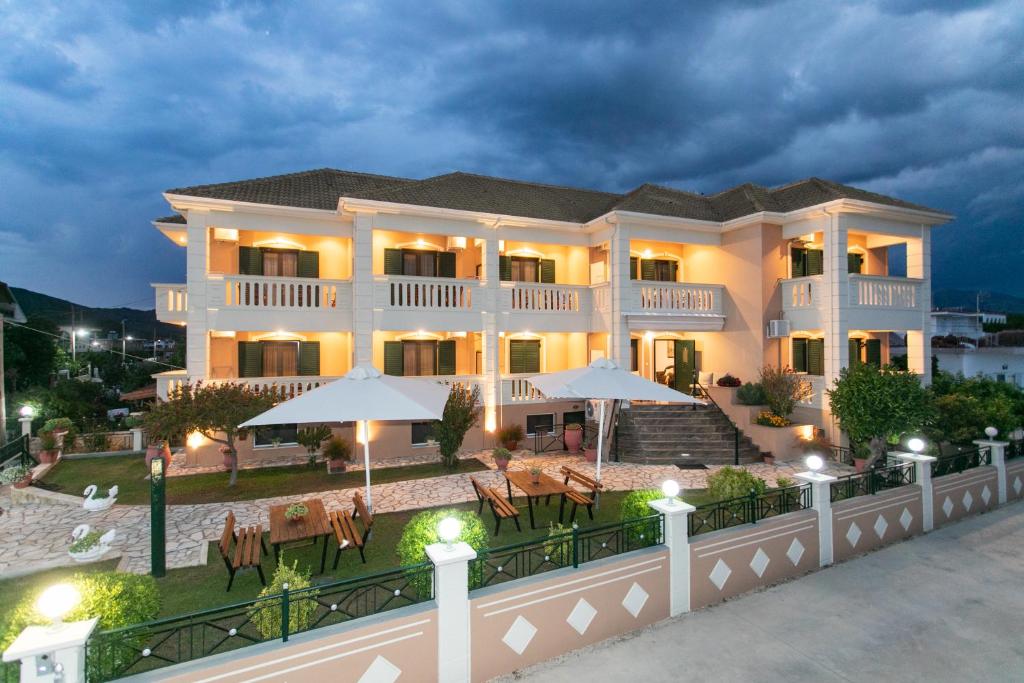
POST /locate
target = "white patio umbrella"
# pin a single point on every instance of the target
(603, 380)
(363, 394)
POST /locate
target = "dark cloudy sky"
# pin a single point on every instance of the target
(104, 106)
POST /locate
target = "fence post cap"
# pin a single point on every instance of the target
(814, 477)
(40, 640)
(993, 442)
(671, 507)
(912, 457)
(440, 554)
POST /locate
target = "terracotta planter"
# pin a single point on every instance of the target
(573, 440)
(49, 456)
(161, 450)
(860, 464)
(227, 459)
(590, 454)
(336, 466)
(23, 483)
(502, 465)
(511, 445)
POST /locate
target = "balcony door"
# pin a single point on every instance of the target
(419, 262)
(417, 358)
(675, 361)
(278, 358)
(278, 262)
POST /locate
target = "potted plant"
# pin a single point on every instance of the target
(225, 453)
(590, 449)
(337, 453)
(861, 455)
(511, 436)
(311, 438)
(501, 456)
(728, 380)
(573, 437)
(535, 475)
(96, 501)
(48, 451)
(296, 512)
(18, 476)
(87, 545)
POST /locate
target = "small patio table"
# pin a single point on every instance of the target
(545, 487)
(312, 526)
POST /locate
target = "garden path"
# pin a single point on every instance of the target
(35, 536)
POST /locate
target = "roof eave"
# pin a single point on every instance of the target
(357, 205)
(180, 202)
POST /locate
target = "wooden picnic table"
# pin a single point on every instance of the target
(544, 488)
(313, 526)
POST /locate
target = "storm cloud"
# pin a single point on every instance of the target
(102, 106)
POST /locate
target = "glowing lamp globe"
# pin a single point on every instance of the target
(27, 411)
(448, 530)
(670, 488)
(57, 600)
(916, 444)
(991, 432)
(814, 463)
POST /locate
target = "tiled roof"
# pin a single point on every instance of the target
(176, 218)
(322, 188)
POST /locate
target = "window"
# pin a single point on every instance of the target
(543, 423)
(280, 359)
(657, 270)
(422, 432)
(280, 262)
(525, 269)
(809, 356)
(634, 355)
(283, 434)
(807, 261)
(422, 263)
(419, 358)
(524, 356)
(855, 262)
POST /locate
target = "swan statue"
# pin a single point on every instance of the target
(93, 504)
(95, 551)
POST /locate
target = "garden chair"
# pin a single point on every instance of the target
(576, 497)
(481, 494)
(248, 544)
(502, 508)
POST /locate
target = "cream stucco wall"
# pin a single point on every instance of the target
(466, 260)
(335, 252)
(572, 264)
(335, 351)
(669, 251)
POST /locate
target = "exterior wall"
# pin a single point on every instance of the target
(989, 361)
(335, 351)
(396, 645)
(520, 624)
(866, 523)
(572, 264)
(782, 442)
(724, 564)
(1015, 480)
(958, 495)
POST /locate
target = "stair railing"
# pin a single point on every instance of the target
(702, 391)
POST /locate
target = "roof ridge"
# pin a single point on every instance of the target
(294, 174)
(675, 189)
(524, 182)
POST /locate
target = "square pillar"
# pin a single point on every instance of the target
(451, 592)
(622, 295)
(490, 342)
(923, 471)
(677, 538)
(919, 342)
(362, 289)
(836, 280)
(821, 501)
(997, 450)
(52, 653)
(197, 267)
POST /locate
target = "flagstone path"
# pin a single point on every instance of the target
(34, 536)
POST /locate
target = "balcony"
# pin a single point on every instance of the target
(875, 302)
(171, 303)
(675, 306)
(254, 302)
(282, 387)
(405, 302)
(546, 307)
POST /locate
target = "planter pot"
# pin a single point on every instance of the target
(859, 464)
(296, 519)
(511, 445)
(336, 466)
(48, 456)
(23, 483)
(98, 504)
(573, 440)
(590, 454)
(93, 553)
(225, 458)
(158, 451)
(535, 479)
(502, 465)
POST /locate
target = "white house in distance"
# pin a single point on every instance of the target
(998, 356)
(292, 279)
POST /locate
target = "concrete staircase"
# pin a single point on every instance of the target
(662, 434)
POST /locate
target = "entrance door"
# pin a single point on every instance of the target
(685, 365)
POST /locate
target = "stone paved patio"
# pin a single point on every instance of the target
(35, 536)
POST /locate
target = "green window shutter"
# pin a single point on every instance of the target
(309, 264)
(392, 261)
(854, 345)
(648, 271)
(815, 356)
(815, 262)
(634, 355)
(250, 261)
(547, 271)
(799, 258)
(673, 271)
(446, 357)
(309, 358)
(394, 358)
(446, 264)
(505, 268)
(250, 359)
(873, 352)
(800, 355)
(524, 356)
(532, 356)
(855, 262)
(633, 266)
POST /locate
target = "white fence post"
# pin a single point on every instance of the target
(26, 426)
(997, 449)
(821, 501)
(52, 653)
(677, 538)
(923, 466)
(451, 592)
(137, 439)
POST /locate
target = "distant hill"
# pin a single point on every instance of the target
(139, 323)
(992, 302)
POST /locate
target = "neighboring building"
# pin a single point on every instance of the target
(293, 279)
(957, 324)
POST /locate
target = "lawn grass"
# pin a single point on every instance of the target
(129, 472)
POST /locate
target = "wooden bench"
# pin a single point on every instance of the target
(578, 498)
(347, 533)
(481, 494)
(248, 546)
(502, 508)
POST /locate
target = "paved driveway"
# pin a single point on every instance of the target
(948, 606)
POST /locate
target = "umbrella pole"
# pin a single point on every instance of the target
(600, 452)
(366, 463)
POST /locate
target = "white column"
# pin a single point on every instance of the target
(137, 440)
(622, 294)
(26, 426)
(836, 308)
(52, 653)
(919, 344)
(677, 538)
(998, 451)
(490, 343)
(451, 593)
(821, 500)
(923, 467)
(197, 267)
(362, 289)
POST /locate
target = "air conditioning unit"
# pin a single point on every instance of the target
(778, 329)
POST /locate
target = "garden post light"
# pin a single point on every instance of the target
(26, 412)
(916, 444)
(448, 530)
(814, 463)
(157, 517)
(56, 601)
(670, 489)
(991, 432)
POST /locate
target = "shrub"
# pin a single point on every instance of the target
(559, 543)
(783, 389)
(728, 380)
(337, 448)
(86, 542)
(47, 441)
(784, 482)
(13, 474)
(461, 412)
(58, 424)
(730, 482)
(751, 394)
(510, 434)
(501, 454)
(421, 531)
(635, 503)
(117, 598)
(767, 418)
(96, 443)
(311, 438)
(265, 613)
(818, 444)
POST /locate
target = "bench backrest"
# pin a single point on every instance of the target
(361, 510)
(581, 479)
(227, 535)
(478, 488)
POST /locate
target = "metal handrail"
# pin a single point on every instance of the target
(749, 509)
(735, 428)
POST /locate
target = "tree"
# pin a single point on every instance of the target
(30, 358)
(782, 389)
(967, 405)
(213, 410)
(461, 412)
(875, 405)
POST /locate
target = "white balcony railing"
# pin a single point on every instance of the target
(518, 389)
(677, 297)
(549, 298)
(602, 295)
(171, 302)
(884, 292)
(254, 292)
(801, 292)
(426, 293)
